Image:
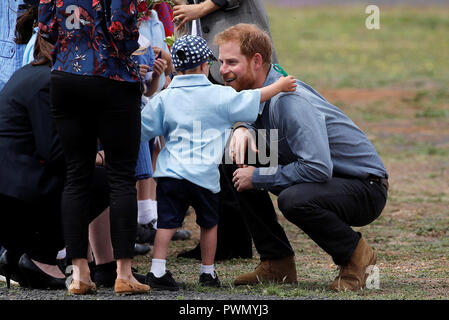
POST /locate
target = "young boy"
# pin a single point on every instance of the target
(194, 116)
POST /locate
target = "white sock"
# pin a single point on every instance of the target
(144, 211)
(154, 213)
(158, 267)
(208, 269)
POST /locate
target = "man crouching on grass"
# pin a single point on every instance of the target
(329, 176)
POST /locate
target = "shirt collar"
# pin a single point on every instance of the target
(272, 77)
(189, 80)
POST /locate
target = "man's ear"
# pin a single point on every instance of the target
(257, 61)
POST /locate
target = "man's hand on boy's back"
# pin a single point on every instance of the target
(240, 139)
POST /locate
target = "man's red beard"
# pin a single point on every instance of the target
(243, 82)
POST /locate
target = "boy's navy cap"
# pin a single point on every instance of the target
(189, 52)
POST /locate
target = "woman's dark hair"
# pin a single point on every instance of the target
(25, 24)
(42, 52)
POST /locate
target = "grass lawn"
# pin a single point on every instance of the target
(331, 47)
(394, 84)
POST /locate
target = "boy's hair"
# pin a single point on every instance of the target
(194, 70)
(252, 40)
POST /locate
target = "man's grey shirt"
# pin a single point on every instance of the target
(316, 141)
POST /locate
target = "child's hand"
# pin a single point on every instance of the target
(158, 68)
(287, 84)
(143, 69)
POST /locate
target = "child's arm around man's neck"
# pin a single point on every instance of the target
(284, 84)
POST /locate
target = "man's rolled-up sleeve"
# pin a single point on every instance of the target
(305, 130)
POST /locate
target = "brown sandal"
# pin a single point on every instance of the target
(123, 286)
(80, 287)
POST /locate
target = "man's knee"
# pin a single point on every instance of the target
(291, 204)
(284, 202)
(299, 203)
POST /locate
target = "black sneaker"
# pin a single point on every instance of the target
(206, 280)
(145, 233)
(182, 234)
(141, 249)
(166, 282)
(139, 277)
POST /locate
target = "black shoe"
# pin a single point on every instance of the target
(139, 277)
(195, 253)
(141, 249)
(206, 280)
(220, 255)
(63, 264)
(105, 275)
(146, 233)
(37, 278)
(182, 234)
(9, 268)
(166, 282)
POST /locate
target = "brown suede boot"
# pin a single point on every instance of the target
(353, 275)
(279, 271)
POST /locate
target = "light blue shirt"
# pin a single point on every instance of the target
(154, 31)
(195, 118)
(10, 52)
(28, 55)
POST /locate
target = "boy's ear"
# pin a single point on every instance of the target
(205, 68)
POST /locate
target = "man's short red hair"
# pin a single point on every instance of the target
(252, 40)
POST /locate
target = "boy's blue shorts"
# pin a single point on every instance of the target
(174, 196)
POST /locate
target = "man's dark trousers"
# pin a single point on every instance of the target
(324, 211)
